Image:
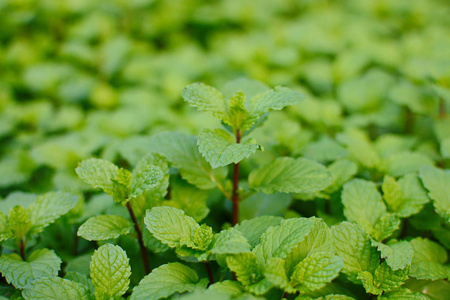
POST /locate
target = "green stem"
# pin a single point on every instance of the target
(235, 192)
(140, 239)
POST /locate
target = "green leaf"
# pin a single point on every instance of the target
(203, 236)
(402, 163)
(121, 186)
(324, 150)
(104, 227)
(155, 159)
(383, 280)
(16, 198)
(229, 241)
(167, 280)
(182, 151)
(385, 227)
(206, 98)
(392, 193)
(48, 208)
(83, 279)
(354, 246)
(397, 255)
(275, 273)
(253, 229)
(362, 203)
(428, 260)
(341, 171)
(279, 240)
(171, 226)
(315, 271)
(219, 148)
(5, 232)
(249, 87)
(245, 267)
(437, 181)
(403, 294)
(238, 114)
(55, 288)
(19, 222)
(260, 204)
(110, 272)
(98, 173)
(41, 263)
(289, 175)
(360, 148)
(145, 179)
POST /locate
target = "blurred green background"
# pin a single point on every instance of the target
(83, 78)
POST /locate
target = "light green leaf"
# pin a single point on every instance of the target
(275, 273)
(289, 175)
(249, 87)
(354, 246)
(253, 229)
(402, 163)
(145, 179)
(279, 240)
(229, 241)
(315, 271)
(341, 171)
(19, 222)
(121, 186)
(190, 199)
(41, 263)
(362, 203)
(155, 159)
(397, 255)
(182, 151)
(219, 148)
(48, 208)
(5, 232)
(360, 148)
(83, 279)
(275, 99)
(104, 227)
(203, 236)
(55, 288)
(402, 294)
(167, 280)
(16, 198)
(110, 272)
(98, 173)
(325, 149)
(206, 98)
(384, 279)
(171, 226)
(392, 193)
(245, 267)
(437, 181)
(385, 227)
(238, 114)
(428, 260)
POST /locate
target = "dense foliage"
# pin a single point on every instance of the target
(139, 161)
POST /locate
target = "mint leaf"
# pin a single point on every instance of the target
(48, 208)
(398, 255)
(19, 222)
(206, 98)
(171, 226)
(98, 173)
(245, 267)
(279, 240)
(182, 151)
(315, 271)
(144, 179)
(5, 232)
(167, 280)
(402, 163)
(55, 288)
(41, 263)
(415, 196)
(325, 149)
(203, 236)
(229, 241)
(360, 148)
(253, 229)
(110, 272)
(341, 171)
(219, 148)
(154, 159)
(437, 181)
(385, 227)
(428, 260)
(189, 199)
(402, 294)
(104, 227)
(354, 246)
(289, 175)
(383, 280)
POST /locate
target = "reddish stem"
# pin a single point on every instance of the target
(208, 270)
(140, 239)
(22, 250)
(235, 194)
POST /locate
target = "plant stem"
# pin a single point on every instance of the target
(22, 250)
(442, 112)
(235, 194)
(285, 295)
(208, 270)
(140, 239)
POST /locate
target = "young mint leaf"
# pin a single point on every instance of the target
(55, 288)
(402, 163)
(385, 227)
(5, 232)
(171, 226)
(249, 87)
(16, 198)
(219, 148)
(275, 273)
(110, 272)
(238, 114)
(104, 227)
(341, 171)
(289, 175)
(154, 159)
(48, 208)
(229, 241)
(428, 260)
(360, 148)
(19, 222)
(362, 203)
(98, 173)
(437, 181)
(182, 151)
(167, 280)
(279, 240)
(207, 99)
(245, 267)
(383, 280)
(392, 193)
(145, 179)
(83, 279)
(397, 255)
(414, 196)
(316, 270)
(324, 150)
(203, 236)
(121, 185)
(402, 294)
(253, 229)
(41, 263)
(353, 245)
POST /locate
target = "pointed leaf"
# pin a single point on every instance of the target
(5, 232)
(145, 179)
(19, 222)
(275, 99)
(437, 181)
(398, 255)
(206, 98)
(98, 173)
(104, 227)
(55, 288)
(428, 260)
(245, 267)
(229, 241)
(253, 229)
